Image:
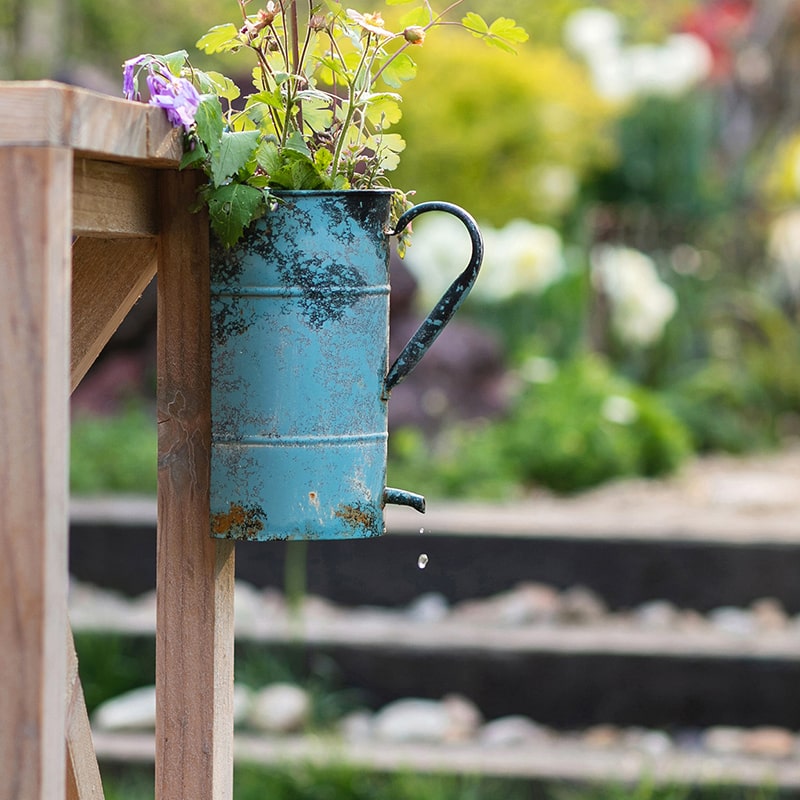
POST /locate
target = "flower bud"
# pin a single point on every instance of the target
(414, 34)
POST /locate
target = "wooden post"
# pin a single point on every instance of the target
(194, 639)
(35, 229)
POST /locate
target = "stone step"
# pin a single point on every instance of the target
(562, 761)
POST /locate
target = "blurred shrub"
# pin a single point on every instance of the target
(583, 426)
(114, 454)
(510, 137)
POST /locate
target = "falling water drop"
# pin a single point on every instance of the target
(422, 530)
(422, 561)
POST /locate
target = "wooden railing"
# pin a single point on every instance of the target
(93, 206)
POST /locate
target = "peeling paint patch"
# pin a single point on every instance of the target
(238, 522)
(357, 518)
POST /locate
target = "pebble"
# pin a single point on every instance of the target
(769, 742)
(511, 731)
(464, 718)
(601, 737)
(412, 720)
(581, 606)
(430, 607)
(769, 614)
(133, 710)
(723, 740)
(732, 620)
(280, 708)
(660, 615)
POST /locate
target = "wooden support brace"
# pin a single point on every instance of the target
(195, 574)
(35, 229)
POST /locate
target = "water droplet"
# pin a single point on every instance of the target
(422, 561)
(422, 530)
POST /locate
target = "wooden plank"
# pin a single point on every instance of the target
(113, 200)
(194, 640)
(109, 276)
(35, 232)
(45, 113)
(83, 774)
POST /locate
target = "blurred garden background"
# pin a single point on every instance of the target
(636, 172)
(635, 169)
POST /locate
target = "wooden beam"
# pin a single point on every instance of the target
(194, 640)
(35, 234)
(83, 774)
(44, 113)
(108, 277)
(113, 200)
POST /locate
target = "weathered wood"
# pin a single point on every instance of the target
(35, 231)
(83, 774)
(44, 113)
(113, 200)
(108, 277)
(194, 641)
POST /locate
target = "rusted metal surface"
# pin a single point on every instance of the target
(300, 336)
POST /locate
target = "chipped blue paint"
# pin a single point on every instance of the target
(300, 335)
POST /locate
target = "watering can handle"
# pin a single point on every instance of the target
(434, 324)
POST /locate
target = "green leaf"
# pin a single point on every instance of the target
(388, 147)
(476, 24)
(232, 208)
(216, 83)
(508, 30)
(323, 159)
(383, 108)
(418, 16)
(268, 157)
(297, 144)
(401, 68)
(209, 122)
(220, 39)
(192, 157)
(176, 61)
(236, 149)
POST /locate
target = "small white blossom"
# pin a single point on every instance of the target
(784, 248)
(620, 409)
(590, 31)
(640, 303)
(521, 258)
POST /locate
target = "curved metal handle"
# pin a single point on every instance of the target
(434, 324)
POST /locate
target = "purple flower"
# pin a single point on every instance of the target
(176, 96)
(129, 77)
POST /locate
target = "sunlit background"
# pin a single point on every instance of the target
(635, 169)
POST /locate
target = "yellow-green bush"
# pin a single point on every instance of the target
(483, 127)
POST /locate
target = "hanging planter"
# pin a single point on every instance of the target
(300, 372)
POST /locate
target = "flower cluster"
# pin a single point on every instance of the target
(326, 82)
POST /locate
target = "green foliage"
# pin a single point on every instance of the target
(321, 101)
(114, 453)
(111, 664)
(501, 126)
(582, 428)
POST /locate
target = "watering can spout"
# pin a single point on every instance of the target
(399, 497)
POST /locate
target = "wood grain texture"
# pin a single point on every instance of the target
(45, 113)
(35, 232)
(108, 277)
(194, 640)
(113, 200)
(83, 774)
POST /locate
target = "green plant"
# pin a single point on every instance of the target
(326, 85)
(584, 426)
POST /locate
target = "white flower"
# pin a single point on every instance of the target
(640, 304)
(620, 409)
(592, 30)
(521, 258)
(784, 248)
(669, 69)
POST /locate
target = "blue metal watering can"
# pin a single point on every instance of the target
(299, 357)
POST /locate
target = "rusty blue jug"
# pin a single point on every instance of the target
(299, 362)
